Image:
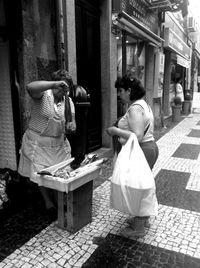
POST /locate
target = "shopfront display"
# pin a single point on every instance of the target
(137, 27)
(178, 61)
(135, 57)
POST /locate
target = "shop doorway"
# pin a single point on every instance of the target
(88, 65)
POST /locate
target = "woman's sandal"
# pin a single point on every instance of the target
(131, 233)
(131, 222)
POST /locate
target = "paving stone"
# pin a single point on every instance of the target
(194, 133)
(109, 252)
(188, 151)
(38, 265)
(61, 262)
(171, 190)
(26, 265)
(173, 235)
(53, 265)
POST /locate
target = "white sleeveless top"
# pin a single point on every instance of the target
(148, 118)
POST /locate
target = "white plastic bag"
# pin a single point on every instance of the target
(132, 184)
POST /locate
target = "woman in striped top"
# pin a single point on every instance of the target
(44, 143)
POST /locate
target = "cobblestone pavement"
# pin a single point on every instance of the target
(173, 239)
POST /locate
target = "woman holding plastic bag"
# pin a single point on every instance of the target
(132, 185)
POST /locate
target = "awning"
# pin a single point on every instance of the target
(176, 44)
(182, 61)
(128, 23)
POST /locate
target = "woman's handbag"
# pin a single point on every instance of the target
(70, 121)
(132, 184)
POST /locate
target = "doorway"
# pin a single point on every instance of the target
(89, 65)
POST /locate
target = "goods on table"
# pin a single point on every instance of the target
(65, 171)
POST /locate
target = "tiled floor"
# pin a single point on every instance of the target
(173, 240)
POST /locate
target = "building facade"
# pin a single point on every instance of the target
(177, 59)
(96, 41)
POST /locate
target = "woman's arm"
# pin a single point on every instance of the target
(179, 88)
(136, 121)
(136, 125)
(115, 131)
(37, 88)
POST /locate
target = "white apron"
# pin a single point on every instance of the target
(39, 151)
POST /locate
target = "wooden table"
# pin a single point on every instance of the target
(78, 191)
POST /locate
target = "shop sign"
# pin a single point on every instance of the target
(138, 9)
(183, 62)
(174, 42)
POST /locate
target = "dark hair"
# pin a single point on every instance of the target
(135, 85)
(64, 75)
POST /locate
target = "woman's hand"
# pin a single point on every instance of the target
(112, 131)
(70, 127)
(62, 86)
(122, 140)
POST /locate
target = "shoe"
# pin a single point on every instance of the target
(130, 233)
(131, 222)
(52, 213)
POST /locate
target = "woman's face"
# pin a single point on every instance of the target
(124, 95)
(58, 93)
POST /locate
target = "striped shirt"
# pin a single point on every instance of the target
(43, 109)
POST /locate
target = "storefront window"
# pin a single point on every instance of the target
(130, 59)
(132, 56)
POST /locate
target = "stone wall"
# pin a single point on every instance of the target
(39, 45)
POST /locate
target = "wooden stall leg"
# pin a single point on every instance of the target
(61, 214)
(79, 207)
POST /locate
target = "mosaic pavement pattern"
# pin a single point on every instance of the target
(173, 240)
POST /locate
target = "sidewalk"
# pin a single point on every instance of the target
(173, 240)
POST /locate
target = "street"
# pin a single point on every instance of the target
(173, 239)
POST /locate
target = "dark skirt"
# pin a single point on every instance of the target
(150, 150)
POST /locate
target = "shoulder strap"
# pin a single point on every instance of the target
(146, 129)
(134, 104)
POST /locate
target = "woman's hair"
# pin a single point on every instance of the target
(135, 85)
(64, 75)
(178, 80)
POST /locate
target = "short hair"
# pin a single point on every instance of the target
(135, 85)
(62, 74)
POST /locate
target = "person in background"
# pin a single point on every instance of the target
(138, 119)
(179, 89)
(44, 143)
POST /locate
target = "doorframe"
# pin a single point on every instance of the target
(108, 52)
(13, 18)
